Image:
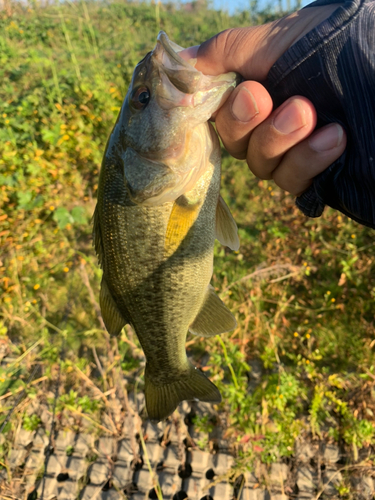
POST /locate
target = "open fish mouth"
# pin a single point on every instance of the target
(168, 138)
(172, 49)
(196, 88)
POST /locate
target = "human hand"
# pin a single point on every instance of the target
(279, 145)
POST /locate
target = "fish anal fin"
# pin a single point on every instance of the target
(113, 319)
(214, 317)
(226, 227)
(181, 220)
(162, 400)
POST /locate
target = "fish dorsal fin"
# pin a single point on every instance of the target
(226, 227)
(213, 318)
(112, 317)
(181, 220)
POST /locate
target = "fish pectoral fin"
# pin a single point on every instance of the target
(145, 179)
(162, 400)
(181, 220)
(113, 319)
(226, 227)
(214, 317)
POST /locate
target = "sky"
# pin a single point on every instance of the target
(233, 5)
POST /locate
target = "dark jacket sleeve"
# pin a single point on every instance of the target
(334, 66)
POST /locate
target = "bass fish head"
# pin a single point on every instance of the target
(167, 99)
(167, 95)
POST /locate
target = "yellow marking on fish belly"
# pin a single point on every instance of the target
(181, 220)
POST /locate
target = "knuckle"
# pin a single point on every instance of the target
(239, 155)
(236, 148)
(257, 169)
(235, 40)
(227, 42)
(261, 157)
(216, 44)
(224, 39)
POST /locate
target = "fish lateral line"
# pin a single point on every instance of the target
(157, 216)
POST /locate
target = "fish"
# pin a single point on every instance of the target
(157, 215)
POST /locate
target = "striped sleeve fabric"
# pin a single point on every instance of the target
(334, 66)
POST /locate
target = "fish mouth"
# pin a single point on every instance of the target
(172, 49)
(196, 87)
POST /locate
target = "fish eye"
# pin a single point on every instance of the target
(141, 97)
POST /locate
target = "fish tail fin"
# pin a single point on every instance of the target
(162, 400)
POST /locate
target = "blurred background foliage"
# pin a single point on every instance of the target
(300, 363)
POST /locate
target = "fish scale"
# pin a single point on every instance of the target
(136, 267)
(158, 213)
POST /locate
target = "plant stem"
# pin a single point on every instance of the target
(229, 363)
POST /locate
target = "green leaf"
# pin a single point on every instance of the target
(24, 198)
(79, 215)
(62, 217)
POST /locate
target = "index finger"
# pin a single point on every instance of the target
(226, 52)
(252, 51)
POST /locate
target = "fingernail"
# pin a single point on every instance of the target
(290, 118)
(244, 106)
(327, 138)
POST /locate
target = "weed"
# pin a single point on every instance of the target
(31, 423)
(302, 289)
(69, 450)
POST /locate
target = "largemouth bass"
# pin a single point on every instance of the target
(157, 216)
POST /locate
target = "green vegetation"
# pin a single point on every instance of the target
(302, 290)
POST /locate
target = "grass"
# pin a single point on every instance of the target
(302, 289)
